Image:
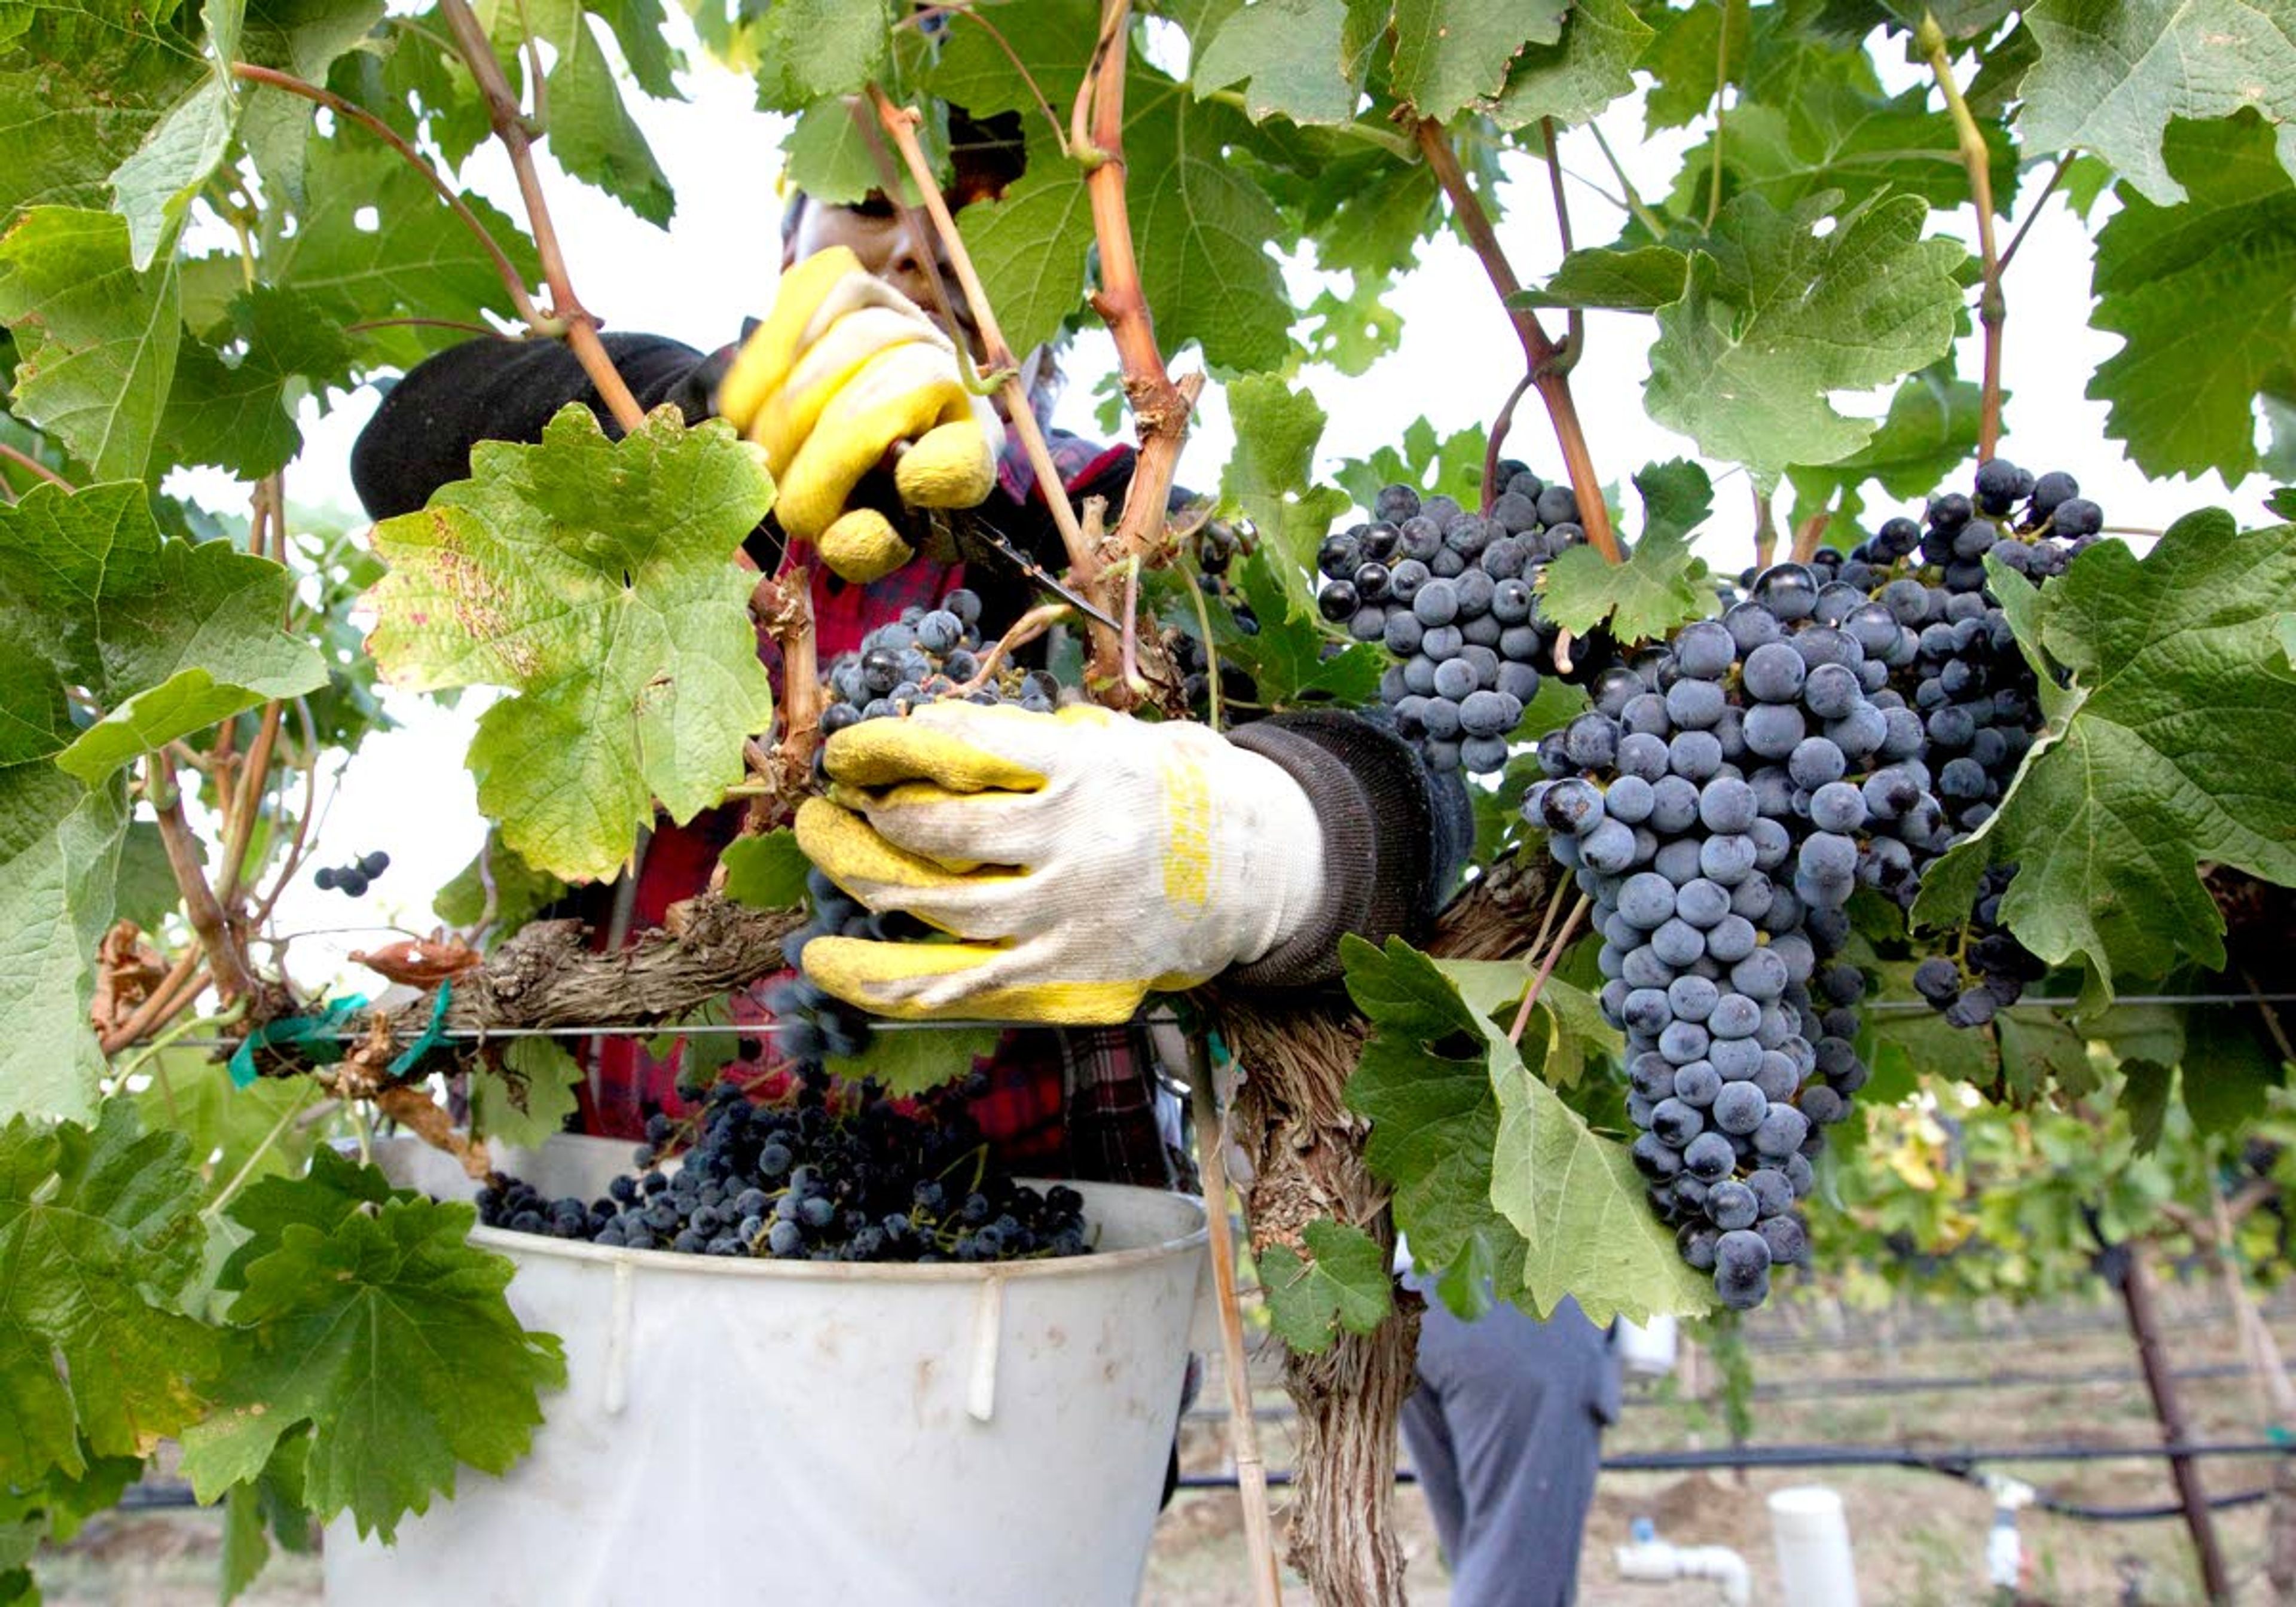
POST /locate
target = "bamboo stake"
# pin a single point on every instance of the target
(1243, 1428)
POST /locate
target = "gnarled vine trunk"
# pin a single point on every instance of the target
(1291, 1117)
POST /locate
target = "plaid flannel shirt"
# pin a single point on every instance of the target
(1059, 1103)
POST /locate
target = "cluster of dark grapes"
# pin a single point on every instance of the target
(842, 1174)
(1453, 595)
(927, 654)
(1719, 805)
(1195, 666)
(353, 877)
(1956, 663)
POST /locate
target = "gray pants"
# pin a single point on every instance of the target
(1505, 1430)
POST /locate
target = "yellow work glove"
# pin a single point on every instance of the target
(842, 368)
(1081, 858)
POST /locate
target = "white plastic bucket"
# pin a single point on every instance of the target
(768, 1431)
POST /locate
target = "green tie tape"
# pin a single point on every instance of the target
(319, 1037)
(431, 1033)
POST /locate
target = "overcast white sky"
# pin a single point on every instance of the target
(407, 792)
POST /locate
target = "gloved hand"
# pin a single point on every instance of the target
(842, 367)
(1081, 858)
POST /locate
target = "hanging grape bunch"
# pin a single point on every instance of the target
(1955, 661)
(843, 1175)
(351, 880)
(1719, 805)
(1453, 595)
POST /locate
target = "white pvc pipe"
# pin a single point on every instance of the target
(1813, 1542)
(1658, 1561)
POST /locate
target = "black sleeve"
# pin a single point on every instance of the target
(505, 390)
(1396, 836)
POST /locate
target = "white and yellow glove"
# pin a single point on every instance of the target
(844, 367)
(1081, 858)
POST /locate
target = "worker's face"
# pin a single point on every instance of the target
(874, 232)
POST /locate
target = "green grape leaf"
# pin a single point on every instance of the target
(2145, 1097)
(2203, 294)
(60, 844)
(1582, 1209)
(413, 259)
(229, 1127)
(1478, 1146)
(595, 578)
(1268, 479)
(1424, 1083)
(99, 1235)
(1056, 48)
(1676, 497)
(144, 889)
(1930, 433)
(272, 1503)
(305, 37)
(336, 1187)
(1450, 464)
(167, 636)
(1030, 247)
(766, 872)
(1354, 330)
(521, 892)
(1204, 227)
(809, 49)
(2112, 73)
(240, 415)
(529, 1101)
(592, 136)
(830, 161)
(1662, 584)
(95, 340)
(1290, 56)
(153, 188)
(1687, 63)
(2282, 504)
(1567, 1025)
(2232, 1069)
(913, 1058)
(1571, 80)
(1637, 281)
(1775, 317)
(389, 1335)
(2167, 748)
(1343, 1282)
(83, 83)
(1825, 126)
(639, 27)
(1287, 654)
(1450, 54)
(2039, 1053)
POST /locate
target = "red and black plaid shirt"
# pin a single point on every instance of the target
(1060, 1104)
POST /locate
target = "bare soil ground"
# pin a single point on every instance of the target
(1919, 1538)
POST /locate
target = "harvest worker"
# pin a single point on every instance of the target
(1081, 858)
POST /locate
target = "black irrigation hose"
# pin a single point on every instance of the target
(1958, 1464)
(1829, 1388)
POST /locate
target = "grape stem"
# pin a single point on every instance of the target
(1161, 407)
(24, 460)
(1765, 531)
(900, 124)
(1809, 533)
(1539, 353)
(1026, 629)
(271, 79)
(1992, 307)
(567, 312)
(1499, 428)
(1546, 966)
(1574, 338)
(175, 989)
(234, 978)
